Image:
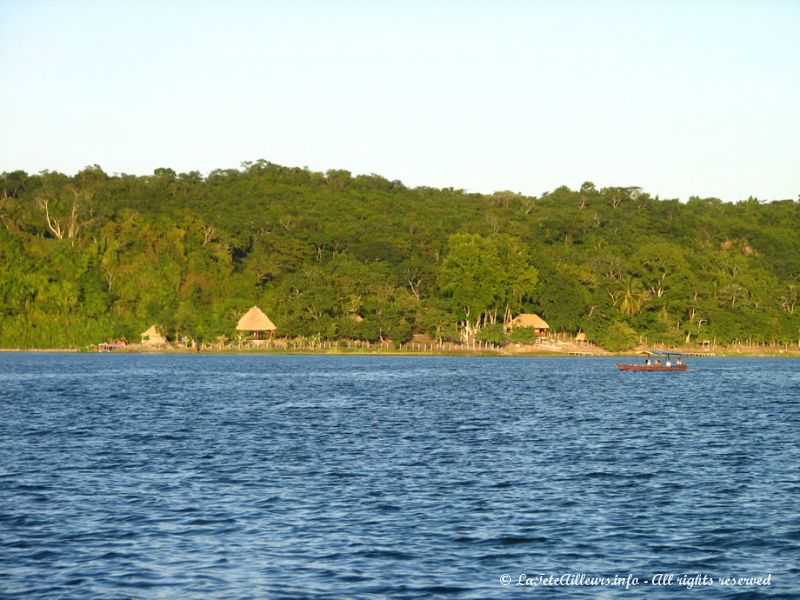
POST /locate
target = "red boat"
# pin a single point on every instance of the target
(682, 367)
(672, 361)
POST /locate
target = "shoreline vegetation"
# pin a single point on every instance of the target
(333, 256)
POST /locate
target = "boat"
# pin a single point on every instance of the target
(658, 360)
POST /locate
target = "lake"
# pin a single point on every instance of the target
(225, 476)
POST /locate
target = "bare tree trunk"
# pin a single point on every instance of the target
(527, 206)
(109, 277)
(413, 285)
(74, 226)
(208, 234)
(507, 318)
(52, 223)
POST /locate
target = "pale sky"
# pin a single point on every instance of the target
(681, 98)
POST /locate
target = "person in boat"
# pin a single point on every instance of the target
(669, 364)
(658, 362)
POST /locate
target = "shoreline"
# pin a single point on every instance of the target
(692, 355)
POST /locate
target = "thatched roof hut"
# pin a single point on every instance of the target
(530, 320)
(581, 337)
(153, 337)
(254, 320)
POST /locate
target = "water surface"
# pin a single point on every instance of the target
(203, 476)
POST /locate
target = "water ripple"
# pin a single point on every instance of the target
(331, 477)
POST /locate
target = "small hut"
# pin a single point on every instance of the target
(255, 321)
(153, 337)
(580, 338)
(532, 321)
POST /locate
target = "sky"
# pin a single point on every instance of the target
(677, 97)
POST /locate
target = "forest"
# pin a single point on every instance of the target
(331, 256)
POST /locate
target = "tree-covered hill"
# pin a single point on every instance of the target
(94, 257)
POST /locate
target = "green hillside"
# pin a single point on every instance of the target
(93, 257)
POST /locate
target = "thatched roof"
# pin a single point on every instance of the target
(255, 320)
(153, 336)
(529, 320)
(581, 337)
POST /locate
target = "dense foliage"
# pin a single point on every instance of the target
(94, 257)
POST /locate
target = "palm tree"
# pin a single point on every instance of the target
(631, 297)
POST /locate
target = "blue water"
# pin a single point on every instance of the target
(192, 476)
